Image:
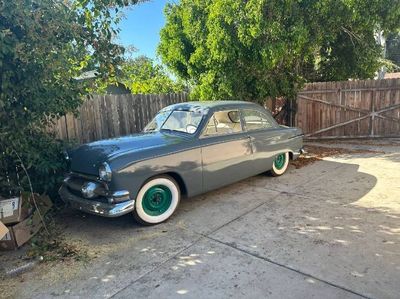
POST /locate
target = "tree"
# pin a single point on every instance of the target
(393, 50)
(44, 45)
(143, 75)
(251, 50)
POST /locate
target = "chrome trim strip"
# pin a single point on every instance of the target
(122, 193)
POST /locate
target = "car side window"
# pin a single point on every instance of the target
(223, 122)
(255, 120)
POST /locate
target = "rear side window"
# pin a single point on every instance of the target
(223, 122)
(255, 120)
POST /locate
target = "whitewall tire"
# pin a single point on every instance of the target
(157, 200)
(280, 164)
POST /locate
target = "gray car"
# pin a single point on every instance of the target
(187, 149)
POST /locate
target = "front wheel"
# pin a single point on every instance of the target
(157, 200)
(280, 164)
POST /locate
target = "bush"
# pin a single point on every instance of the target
(42, 156)
(44, 46)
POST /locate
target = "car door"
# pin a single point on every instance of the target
(265, 137)
(226, 150)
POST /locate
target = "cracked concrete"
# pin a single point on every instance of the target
(330, 229)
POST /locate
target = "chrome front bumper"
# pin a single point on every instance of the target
(95, 207)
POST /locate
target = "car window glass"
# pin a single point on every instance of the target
(255, 120)
(223, 122)
(183, 121)
(157, 121)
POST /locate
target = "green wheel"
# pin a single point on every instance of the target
(280, 164)
(157, 200)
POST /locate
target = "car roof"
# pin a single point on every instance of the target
(210, 104)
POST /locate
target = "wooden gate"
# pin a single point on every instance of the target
(350, 109)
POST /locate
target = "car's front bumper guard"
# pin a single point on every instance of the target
(95, 207)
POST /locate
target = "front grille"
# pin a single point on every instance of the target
(79, 194)
(75, 184)
(74, 192)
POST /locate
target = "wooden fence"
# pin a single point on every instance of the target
(105, 116)
(350, 109)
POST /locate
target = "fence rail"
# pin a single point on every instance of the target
(350, 109)
(106, 116)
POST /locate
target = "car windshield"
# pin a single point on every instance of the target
(176, 120)
(158, 121)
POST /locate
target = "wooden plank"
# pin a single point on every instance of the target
(121, 115)
(78, 127)
(104, 116)
(345, 107)
(71, 132)
(148, 110)
(132, 115)
(91, 120)
(368, 96)
(140, 112)
(115, 113)
(127, 114)
(327, 96)
(136, 113)
(336, 112)
(96, 116)
(339, 125)
(349, 100)
(82, 115)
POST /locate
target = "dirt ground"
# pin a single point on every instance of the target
(330, 227)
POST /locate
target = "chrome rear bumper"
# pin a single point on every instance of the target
(297, 154)
(95, 207)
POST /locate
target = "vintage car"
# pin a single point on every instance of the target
(187, 149)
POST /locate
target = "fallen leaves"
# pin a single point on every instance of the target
(317, 153)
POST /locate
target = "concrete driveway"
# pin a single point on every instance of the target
(327, 230)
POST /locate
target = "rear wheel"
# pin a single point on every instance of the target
(157, 200)
(280, 164)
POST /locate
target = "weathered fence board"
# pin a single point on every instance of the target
(106, 116)
(350, 109)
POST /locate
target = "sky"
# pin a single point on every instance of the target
(142, 25)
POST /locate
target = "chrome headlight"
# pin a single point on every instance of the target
(105, 172)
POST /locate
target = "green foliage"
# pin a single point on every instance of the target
(393, 50)
(41, 154)
(143, 76)
(251, 50)
(44, 45)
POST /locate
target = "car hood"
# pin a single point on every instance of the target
(88, 157)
